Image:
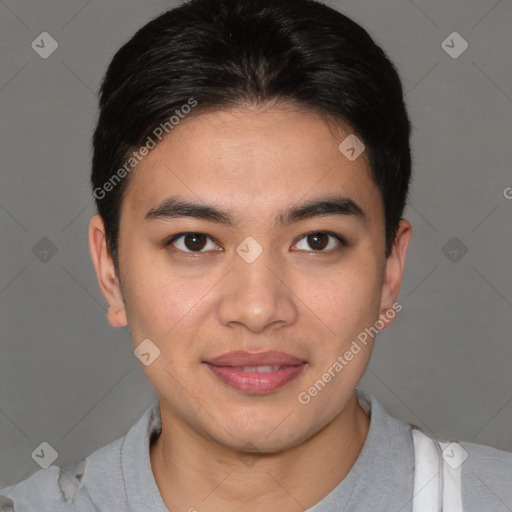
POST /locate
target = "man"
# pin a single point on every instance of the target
(251, 167)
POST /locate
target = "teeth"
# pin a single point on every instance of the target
(259, 369)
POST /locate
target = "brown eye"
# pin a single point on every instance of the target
(194, 241)
(191, 242)
(318, 241)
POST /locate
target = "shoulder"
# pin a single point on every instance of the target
(487, 457)
(85, 485)
(95, 483)
(486, 477)
(482, 473)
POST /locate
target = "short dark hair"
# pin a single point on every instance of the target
(227, 53)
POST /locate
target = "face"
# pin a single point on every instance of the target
(283, 251)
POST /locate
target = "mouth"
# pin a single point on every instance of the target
(256, 373)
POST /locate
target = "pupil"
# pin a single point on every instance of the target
(198, 241)
(317, 239)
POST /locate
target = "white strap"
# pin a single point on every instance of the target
(452, 472)
(427, 465)
(426, 471)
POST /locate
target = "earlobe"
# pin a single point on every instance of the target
(117, 318)
(105, 271)
(395, 265)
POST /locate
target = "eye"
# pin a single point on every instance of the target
(190, 242)
(319, 241)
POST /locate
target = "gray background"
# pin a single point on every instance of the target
(68, 378)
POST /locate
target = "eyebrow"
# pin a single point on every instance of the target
(175, 207)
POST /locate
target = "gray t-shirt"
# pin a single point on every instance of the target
(118, 477)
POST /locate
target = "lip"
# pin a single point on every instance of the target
(243, 358)
(225, 368)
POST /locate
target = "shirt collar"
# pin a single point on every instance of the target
(141, 489)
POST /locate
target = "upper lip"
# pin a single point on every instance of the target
(242, 358)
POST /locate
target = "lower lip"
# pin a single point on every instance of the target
(256, 383)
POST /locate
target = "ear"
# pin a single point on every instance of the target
(395, 265)
(107, 278)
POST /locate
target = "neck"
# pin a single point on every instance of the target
(191, 470)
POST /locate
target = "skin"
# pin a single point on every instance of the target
(220, 448)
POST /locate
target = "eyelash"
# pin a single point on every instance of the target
(169, 241)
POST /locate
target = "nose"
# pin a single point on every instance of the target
(257, 297)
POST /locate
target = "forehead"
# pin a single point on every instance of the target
(254, 161)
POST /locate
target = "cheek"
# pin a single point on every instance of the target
(348, 296)
(158, 299)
